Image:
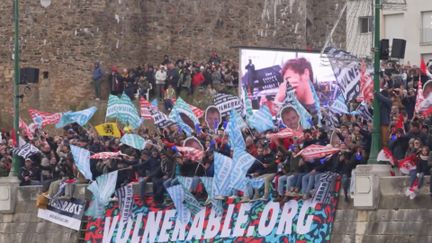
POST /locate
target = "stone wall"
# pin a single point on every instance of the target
(397, 219)
(67, 37)
(25, 226)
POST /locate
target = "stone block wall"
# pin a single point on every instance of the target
(397, 219)
(67, 37)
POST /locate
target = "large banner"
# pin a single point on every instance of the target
(64, 212)
(293, 221)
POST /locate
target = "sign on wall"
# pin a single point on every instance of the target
(63, 212)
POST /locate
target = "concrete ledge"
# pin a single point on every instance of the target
(396, 185)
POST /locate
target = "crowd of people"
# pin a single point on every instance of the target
(152, 81)
(403, 131)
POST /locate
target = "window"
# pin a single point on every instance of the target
(365, 24)
(426, 32)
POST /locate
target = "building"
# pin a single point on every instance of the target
(414, 24)
(410, 20)
(359, 27)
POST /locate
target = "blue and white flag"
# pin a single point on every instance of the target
(182, 111)
(26, 151)
(191, 203)
(242, 162)
(261, 120)
(125, 197)
(82, 161)
(134, 141)
(235, 136)
(124, 110)
(339, 105)
(186, 182)
(102, 190)
(362, 111)
(80, 117)
(160, 119)
(222, 175)
(238, 119)
(154, 104)
(216, 204)
(247, 104)
(177, 196)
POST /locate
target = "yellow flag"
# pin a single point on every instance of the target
(109, 129)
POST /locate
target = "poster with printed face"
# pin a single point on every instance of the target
(213, 117)
(193, 142)
(290, 117)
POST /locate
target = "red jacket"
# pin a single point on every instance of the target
(197, 79)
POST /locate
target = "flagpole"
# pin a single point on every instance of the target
(15, 167)
(376, 138)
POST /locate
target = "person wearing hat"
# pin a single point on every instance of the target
(29, 174)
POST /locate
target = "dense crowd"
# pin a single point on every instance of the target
(153, 81)
(404, 132)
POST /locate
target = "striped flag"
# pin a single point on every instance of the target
(27, 130)
(80, 117)
(262, 119)
(26, 150)
(125, 197)
(134, 141)
(108, 129)
(44, 118)
(407, 164)
(315, 151)
(82, 161)
(235, 136)
(420, 98)
(386, 155)
(286, 133)
(106, 155)
(190, 153)
(226, 102)
(145, 107)
(124, 110)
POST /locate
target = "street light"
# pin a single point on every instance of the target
(15, 167)
(376, 141)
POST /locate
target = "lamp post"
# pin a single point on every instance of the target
(15, 167)
(376, 138)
